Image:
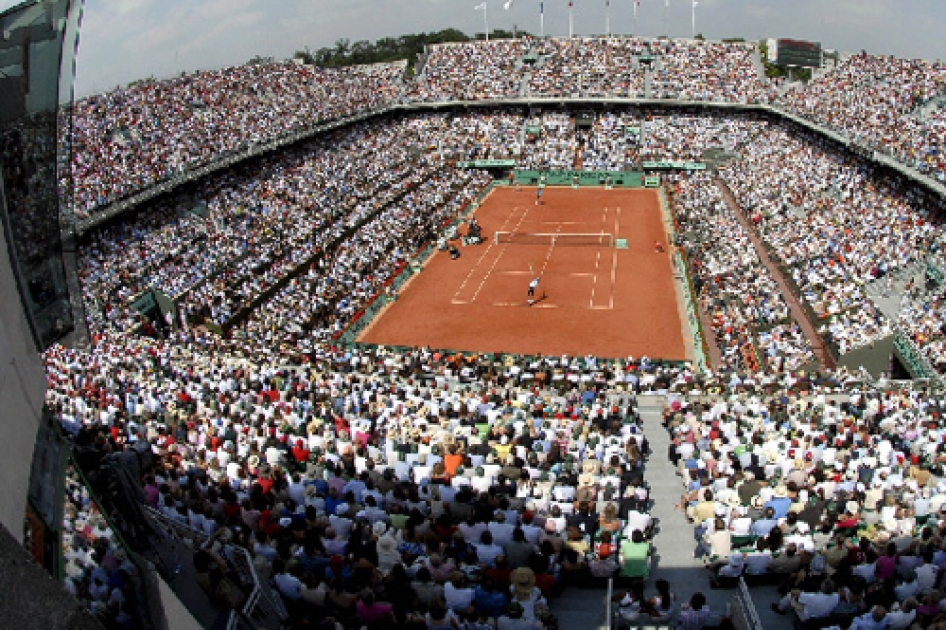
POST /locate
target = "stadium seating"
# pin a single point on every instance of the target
(367, 484)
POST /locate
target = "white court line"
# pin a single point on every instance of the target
(614, 256)
(580, 274)
(513, 273)
(614, 274)
(549, 254)
(483, 255)
(507, 304)
(594, 283)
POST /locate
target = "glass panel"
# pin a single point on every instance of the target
(31, 52)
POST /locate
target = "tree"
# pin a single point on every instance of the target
(342, 46)
(305, 55)
(259, 60)
(344, 53)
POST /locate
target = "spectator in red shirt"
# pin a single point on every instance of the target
(299, 452)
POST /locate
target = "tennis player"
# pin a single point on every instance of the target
(538, 196)
(533, 285)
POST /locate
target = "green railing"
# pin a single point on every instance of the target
(693, 315)
(620, 179)
(913, 358)
(674, 165)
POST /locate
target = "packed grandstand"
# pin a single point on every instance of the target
(429, 488)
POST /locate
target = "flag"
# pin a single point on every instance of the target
(508, 5)
(696, 3)
(541, 8)
(480, 7)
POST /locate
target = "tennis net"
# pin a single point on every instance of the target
(600, 239)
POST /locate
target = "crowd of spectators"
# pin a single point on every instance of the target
(96, 567)
(686, 137)
(876, 100)
(470, 71)
(317, 306)
(474, 135)
(747, 310)
(414, 486)
(838, 500)
(586, 67)
(142, 134)
(258, 223)
(136, 136)
(922, 315)
(708, 71)
(265, 223)
(859, 226)
(556, 146)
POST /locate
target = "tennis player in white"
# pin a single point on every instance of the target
(533, 284)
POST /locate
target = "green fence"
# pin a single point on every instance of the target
(670, 165)
(621, 179)
(912, 357)
(487, 164)
(693, 315)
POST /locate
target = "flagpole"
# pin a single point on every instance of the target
(542, 19)
(666, 17)
(486, 19)
(571, 20)
(636, 32)
(607, 18)
(693, 21)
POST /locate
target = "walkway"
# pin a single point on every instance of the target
(799, 314)
(581, 608)
(675, 558)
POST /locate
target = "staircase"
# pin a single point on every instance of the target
(674, 556)
(524, 90)
(759, 65)
(421, 62)
(887, 300)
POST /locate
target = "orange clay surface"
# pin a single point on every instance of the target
(597, 300)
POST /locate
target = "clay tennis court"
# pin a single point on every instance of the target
(593, 298)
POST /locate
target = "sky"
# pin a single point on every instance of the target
(124, 40)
